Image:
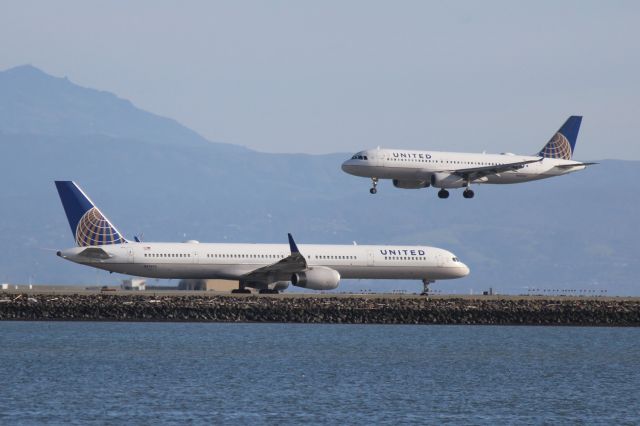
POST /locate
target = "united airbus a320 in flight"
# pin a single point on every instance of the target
(445, 170)
(267, 267)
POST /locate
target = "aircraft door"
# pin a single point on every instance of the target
(370, 258)
(375, 156)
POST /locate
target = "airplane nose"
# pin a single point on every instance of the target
(346, 166)
(464, 270)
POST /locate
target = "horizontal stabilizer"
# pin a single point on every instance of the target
(569, 166)
(94, 253)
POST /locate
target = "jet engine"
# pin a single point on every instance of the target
(410, 184)
(447, 180)
(316, 278)
(280, 285)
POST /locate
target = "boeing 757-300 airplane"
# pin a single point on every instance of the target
(421, 169)
(267, 267)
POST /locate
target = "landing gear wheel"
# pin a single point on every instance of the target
(268, 291)
(241, 291)
(374, 182)
(468, 193)
(443, 193)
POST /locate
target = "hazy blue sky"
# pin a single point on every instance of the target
(326, 76)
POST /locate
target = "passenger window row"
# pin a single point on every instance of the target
(166, 255)
(245, 256)
(472, 163)
(404, 258)
(335, 257)
(420, 160)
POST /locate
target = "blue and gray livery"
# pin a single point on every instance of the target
(563, 142)
(89, 226)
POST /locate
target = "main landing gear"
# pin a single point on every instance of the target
(268, 291)
(468, 193)
(443, 193)
(241, 289)
(425, 287)
(374, 182)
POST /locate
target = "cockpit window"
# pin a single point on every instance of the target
(455, 259)
(359, 157)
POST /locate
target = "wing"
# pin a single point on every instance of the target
(280, 270)
(473, 173)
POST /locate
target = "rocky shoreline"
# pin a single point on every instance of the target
(328, 310)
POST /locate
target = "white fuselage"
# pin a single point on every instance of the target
(232, 261)
(416, 167)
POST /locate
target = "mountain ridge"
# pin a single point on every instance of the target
(34, 102)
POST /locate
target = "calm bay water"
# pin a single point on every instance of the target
(97, 373)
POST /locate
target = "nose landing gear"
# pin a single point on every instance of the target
(425, 287)
(374, 182)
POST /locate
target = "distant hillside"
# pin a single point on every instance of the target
(572, 232)
(34, 102)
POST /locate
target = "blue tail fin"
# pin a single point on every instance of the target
(563, 143)
(89, 226)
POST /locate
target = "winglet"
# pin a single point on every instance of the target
(293, 246)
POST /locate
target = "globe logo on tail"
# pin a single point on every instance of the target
(94, 230)
(557, 147)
